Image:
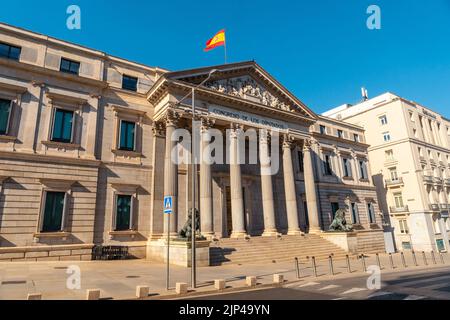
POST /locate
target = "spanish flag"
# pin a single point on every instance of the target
(217, 41)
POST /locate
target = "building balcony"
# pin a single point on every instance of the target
(428, 179)
(434, 207)
(394, 182)
(437, 180)
(399, 209)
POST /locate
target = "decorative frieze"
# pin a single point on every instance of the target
(247, 88)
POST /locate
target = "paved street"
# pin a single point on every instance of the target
(404, 285)
(118, 279)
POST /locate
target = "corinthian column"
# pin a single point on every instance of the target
(310, 188)
(289, 187)
(171, 171)
(237, 201)
(206, 208)
(266, 185)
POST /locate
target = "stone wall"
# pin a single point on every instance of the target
(21, 196)
(47, 253)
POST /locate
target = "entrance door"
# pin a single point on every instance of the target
(229, 214)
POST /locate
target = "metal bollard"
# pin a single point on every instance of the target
(330, 263)
(363, 261)
(297, 268)
(424, 258)
(314, 267)
(403, 260)
(433, 257)
(442, 257)
(349, 268)
(414, 258)
(391, 260)
(378, 261)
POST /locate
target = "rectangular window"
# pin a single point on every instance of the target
(53, 211)
(403, 226)
(328, 171)
(398, 198)
(323, 130)
(371, 212)
(300, 161)
(129, 83)
(356, 137)
(383, 120)
(123, 212)
(389, 155)
(127, 135)
(347, 167)
(355, 215)
(334, 208)
(10, 52)
(340, 134)
(5, 115)
(386, 136)
(63, 126)
(406, 245)
(440, 245)
(363, 170)
(69, 66)
(394, 174)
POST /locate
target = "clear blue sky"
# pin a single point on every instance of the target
(321, 50)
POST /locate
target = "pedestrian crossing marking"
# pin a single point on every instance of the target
(353, 290)
(379, 294)
(414, 297)
(331, 286)
(309, 284)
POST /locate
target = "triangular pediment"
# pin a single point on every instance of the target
(247, 81)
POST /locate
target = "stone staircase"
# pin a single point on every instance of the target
(272, 249)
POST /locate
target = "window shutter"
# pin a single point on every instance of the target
(114, 216)
(65, 210)
(131, 212)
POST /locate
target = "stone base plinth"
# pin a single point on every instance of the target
(180, 252)
(238, 235)
(345, 240)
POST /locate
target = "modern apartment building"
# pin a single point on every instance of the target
(410, 159)
(85, 154)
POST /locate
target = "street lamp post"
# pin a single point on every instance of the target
(194, 184)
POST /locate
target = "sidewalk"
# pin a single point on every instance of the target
(118, 279)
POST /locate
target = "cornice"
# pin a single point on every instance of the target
(52, 73)
(49, 159)
(161, 87)
(339, 140)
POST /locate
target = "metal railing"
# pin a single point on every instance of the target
(428, 179)
(392, 182)
(434, 207)
(399, 209)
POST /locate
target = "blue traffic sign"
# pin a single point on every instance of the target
(168, 204)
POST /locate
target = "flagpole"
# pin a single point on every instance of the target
(225, 49)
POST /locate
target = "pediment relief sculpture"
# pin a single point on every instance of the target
(247, 88)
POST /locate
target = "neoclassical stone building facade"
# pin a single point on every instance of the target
(85, 154)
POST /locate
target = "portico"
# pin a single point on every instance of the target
(258, 120)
